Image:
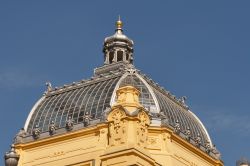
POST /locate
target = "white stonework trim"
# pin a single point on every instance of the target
(151, 92)
(112, 101)
(32, 111)
(209, 139)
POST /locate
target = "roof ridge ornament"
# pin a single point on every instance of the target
(49, 87)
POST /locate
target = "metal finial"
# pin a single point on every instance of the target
(119, 23)
(11, 157)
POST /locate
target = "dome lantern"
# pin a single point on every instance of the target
(118, 47)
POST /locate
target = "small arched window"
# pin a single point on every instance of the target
(111, 57)
(119, 56)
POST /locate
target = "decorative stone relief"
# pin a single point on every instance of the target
(142, 129)
(117, 127)
(153, 143)
(167, 142)
(127, 115)
(103, 137)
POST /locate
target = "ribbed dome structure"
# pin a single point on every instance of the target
(94, 96)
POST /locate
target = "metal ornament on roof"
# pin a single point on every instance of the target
(177, 128)
(198, 140)
(130, 70)
(207, 146)
(11, 157)
(36, 132)
(187, 134)
(86, 119)
(49, 87)
(216, 152)
(52, 128)
(183, 101)
(69, 124)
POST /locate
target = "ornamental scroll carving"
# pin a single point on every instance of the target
(117, 128)
(121, 122)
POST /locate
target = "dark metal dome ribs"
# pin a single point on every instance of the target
(92, 97)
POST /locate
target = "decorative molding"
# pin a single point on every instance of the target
(153, 143)
(185, 160)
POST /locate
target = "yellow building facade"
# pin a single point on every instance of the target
(118, 117)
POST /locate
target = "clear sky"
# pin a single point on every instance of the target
(199, 49)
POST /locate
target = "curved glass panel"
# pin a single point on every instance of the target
(175, 112)
(145, 97)
(92, 98)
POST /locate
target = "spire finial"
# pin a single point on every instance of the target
(119, 23)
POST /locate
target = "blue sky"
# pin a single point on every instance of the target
(199, 49)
